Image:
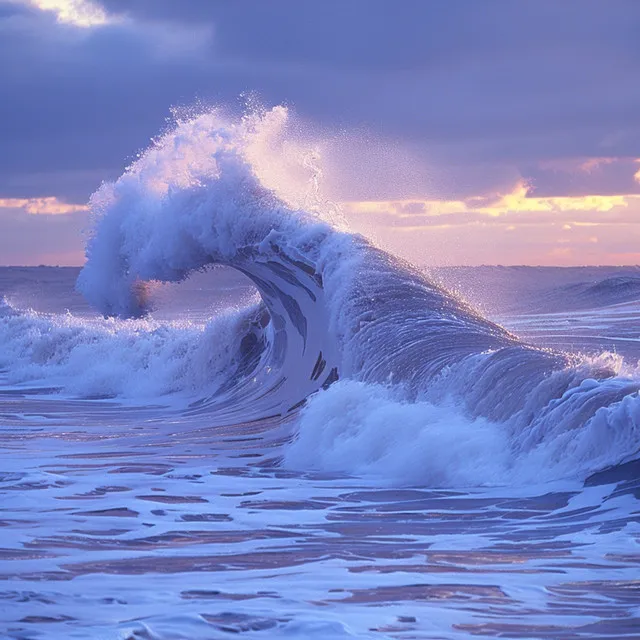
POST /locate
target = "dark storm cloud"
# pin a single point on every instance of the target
(608, 176)
(457, 71)
(76, 101)
(360, 34)
(463, 84)
(380, 34)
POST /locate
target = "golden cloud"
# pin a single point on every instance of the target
(516, 201)
(41, 206)
(80, 13)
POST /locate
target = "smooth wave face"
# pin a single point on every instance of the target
(336, 307)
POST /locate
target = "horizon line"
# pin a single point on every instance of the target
(433, 266)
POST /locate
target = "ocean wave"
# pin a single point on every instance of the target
(416, 363)
(140, 359)
(372, 430)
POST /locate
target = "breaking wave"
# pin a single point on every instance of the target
(400, 378)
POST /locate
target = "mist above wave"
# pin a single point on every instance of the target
(206, 192)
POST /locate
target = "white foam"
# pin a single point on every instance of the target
(130, 359)
(202, 193)
(364, 429)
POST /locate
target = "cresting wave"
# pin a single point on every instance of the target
(417, 386)
(139, 359)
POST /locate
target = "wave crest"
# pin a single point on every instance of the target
(211, 191)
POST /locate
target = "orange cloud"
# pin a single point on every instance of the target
(518, 200)
(509, 228)
(41, 206)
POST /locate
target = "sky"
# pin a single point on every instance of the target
(459, 132)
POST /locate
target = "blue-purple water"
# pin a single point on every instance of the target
(145, 511)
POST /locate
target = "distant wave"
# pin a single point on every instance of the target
(414, 384)
(613, 290)
(535, 290)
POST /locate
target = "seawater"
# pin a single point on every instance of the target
(154, 518)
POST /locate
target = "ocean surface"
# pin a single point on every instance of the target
(241, 419)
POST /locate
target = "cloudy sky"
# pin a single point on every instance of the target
(461, 132)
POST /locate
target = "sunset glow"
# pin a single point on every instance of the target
(80, 13)
(41, 206)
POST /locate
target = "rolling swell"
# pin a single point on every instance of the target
(338, 308)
